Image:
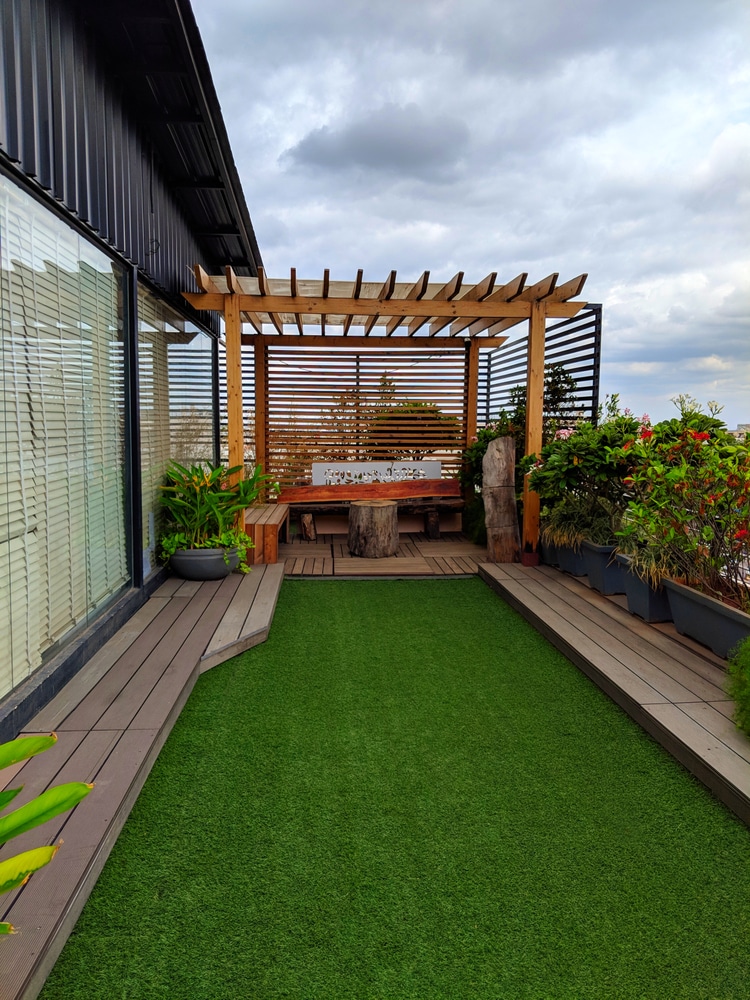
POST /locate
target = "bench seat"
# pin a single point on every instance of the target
(416, 496)
(264, 523)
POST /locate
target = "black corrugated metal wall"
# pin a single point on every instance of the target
(64, 125)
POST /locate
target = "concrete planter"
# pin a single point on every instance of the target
(649, 603)
(604, 573)
(703, 618)
(203, 564)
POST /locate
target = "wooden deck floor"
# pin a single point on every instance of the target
(112, 719)
(671, 686)
(451, 555)
(114, 716)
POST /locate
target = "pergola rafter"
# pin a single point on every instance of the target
(450, 315)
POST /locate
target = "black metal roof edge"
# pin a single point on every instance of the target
(212, 110)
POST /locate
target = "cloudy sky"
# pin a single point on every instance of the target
(605, 136)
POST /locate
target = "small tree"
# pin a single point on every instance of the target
(411, 430)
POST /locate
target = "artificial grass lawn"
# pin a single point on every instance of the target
(407, 793)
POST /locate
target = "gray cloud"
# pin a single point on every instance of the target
(511, 135)
(399, 140)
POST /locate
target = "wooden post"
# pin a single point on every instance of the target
(534, 419)
(499, 495)
(235, 428)
(261, 402)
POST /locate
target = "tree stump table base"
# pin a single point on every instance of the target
(373, 528)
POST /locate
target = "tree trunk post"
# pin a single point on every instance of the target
(307, 527)
(499, 495)
(373, 528)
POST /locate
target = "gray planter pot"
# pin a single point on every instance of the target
(604, 573)
(548, 553)
(203, 564)
(703, 618)
(570, 560)
(649, 603)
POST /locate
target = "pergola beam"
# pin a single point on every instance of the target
(478, 319)
(423, 309)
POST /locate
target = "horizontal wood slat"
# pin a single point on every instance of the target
(373, 491)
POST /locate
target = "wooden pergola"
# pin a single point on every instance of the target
(415, 315)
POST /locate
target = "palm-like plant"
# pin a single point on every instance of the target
(17, 870)
(203, 506)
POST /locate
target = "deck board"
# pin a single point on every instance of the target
(672, 691)
(664, 672)
(112, 720)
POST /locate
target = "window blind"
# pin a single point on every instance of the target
(62, 529)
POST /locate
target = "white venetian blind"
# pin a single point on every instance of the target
(62, 531)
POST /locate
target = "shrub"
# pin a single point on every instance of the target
(689, 512)
(738, 684)
(580, 478)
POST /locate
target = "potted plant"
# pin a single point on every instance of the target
(580, 476)
(688, 522)
(202, 538)
(644, 590)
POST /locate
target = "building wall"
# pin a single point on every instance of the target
(105, 372)
(64, 125)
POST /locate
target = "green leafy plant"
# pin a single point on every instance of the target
(17, 870)
(689, 512)
(738, 684)
(203, 506)
(580, 477)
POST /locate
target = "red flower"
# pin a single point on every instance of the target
(742, 534)
(646, 434)
(699, 435)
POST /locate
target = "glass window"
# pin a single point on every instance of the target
(174, 365)
(62, 524)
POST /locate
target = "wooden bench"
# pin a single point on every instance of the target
(415, 496)
(264, 524)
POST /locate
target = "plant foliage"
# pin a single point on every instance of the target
(203, 504)
(16, 871)
(738, 684)
(689, 512)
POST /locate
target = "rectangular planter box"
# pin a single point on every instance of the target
(549, 553)
(703, 618)
(570, 560)
(649, 603)
(604, 573)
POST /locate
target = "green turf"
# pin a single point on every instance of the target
(407, 793)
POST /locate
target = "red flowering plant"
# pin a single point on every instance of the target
(688, 516)
(580, 478)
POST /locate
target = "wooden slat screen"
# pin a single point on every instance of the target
(248, 403)
(354, 404)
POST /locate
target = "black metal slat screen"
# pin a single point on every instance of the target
(573, 343)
